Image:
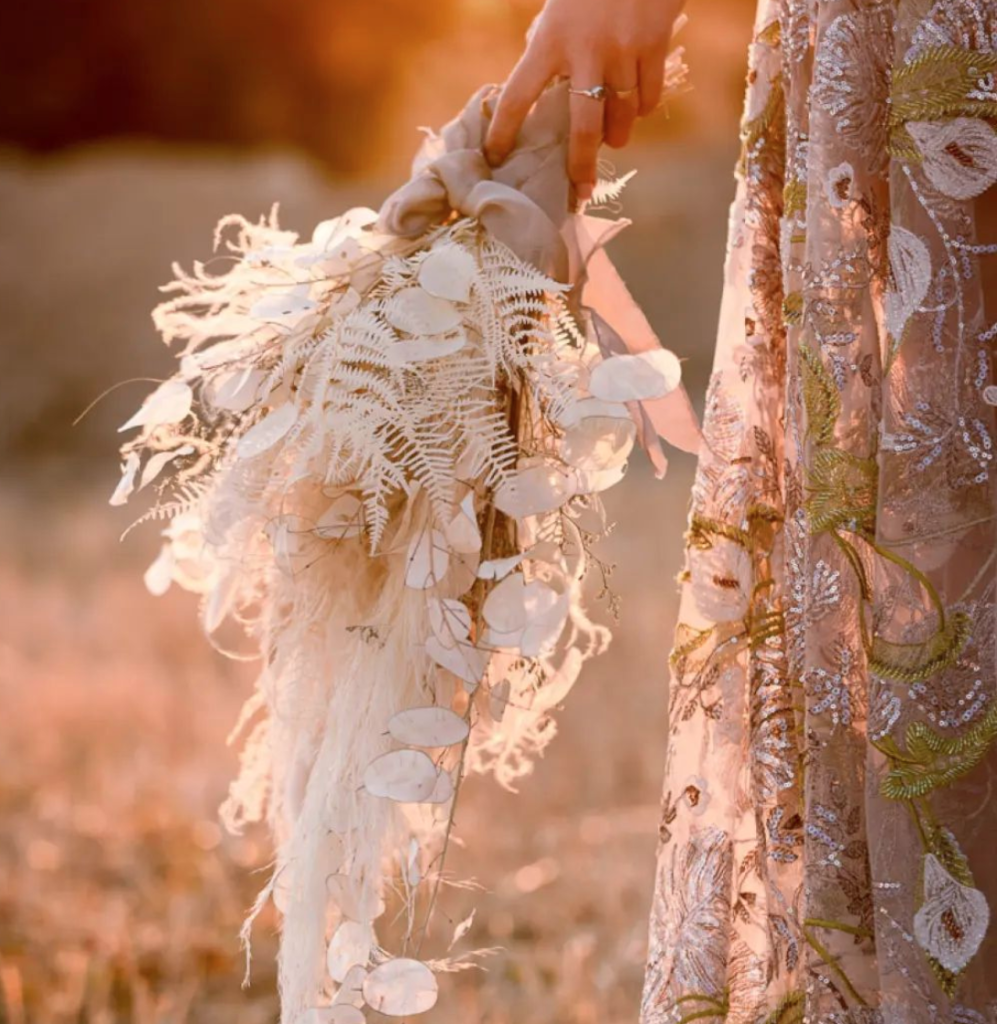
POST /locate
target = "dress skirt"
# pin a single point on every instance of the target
(828, 850)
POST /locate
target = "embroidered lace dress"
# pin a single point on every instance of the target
(828, 843)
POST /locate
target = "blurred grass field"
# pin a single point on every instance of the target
(120, 896)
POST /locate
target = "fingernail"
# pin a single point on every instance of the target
(584, 191)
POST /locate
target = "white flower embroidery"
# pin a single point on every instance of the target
(960, 156)
(852, 79)
(910, 270)
(696, 794)
(953, 920)
(840, 185)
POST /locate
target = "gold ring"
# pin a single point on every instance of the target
(625, 94)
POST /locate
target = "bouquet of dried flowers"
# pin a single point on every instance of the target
(384, 448)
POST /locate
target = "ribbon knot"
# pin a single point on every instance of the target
(524, 204)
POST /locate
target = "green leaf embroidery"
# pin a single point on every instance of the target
(908, 663)
(936, 85)
(931, 761)
(789, 1011)
(820, 397)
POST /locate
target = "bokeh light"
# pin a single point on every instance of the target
(129, 129)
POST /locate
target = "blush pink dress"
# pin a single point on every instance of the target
(828, 848)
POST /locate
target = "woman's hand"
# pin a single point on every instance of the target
(621, 44)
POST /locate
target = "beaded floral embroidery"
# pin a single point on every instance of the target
(833, 675)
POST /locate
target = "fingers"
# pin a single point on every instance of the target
(525, 84)
(622, 105)
(652, 80)
(634, 77)
(587, 121)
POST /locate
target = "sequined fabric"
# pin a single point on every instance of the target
(828, 848)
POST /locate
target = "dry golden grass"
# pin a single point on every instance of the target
(119, 895)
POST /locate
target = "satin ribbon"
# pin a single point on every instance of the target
(521, 203)
(524, 203)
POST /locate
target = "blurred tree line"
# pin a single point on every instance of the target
(314, 74)
(90, 231)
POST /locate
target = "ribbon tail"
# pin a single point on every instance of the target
(603, 290)
(648, 438)
(610, 344)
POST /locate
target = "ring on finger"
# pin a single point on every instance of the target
(593, 92)
(625, 94)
